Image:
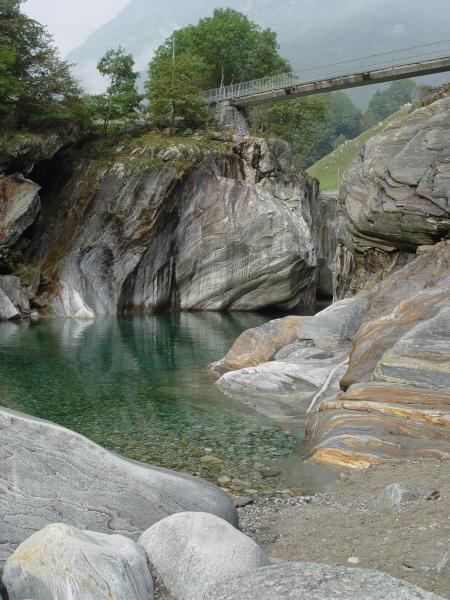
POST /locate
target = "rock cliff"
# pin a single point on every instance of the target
(212, 223)
(394, 198)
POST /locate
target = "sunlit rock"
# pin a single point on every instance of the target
(63, 562)
(193, 551)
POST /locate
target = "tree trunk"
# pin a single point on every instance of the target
(222, 81)
(172, 117)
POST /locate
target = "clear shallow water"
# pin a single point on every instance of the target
(139, 386)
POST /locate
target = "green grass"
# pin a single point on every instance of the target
(330, 167)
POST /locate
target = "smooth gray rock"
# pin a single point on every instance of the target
(12, 287)
(50, 474)
(7, 308)
(395, 495)
(310, 581)
(281, 378)
(193, 551)
(308, 371)
(65, 301)
(335, 327)
(62, 562)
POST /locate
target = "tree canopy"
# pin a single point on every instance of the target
(173, 91)
(36, 87)
(293, 120)
(231, 47)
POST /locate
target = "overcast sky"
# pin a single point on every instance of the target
(71, 21)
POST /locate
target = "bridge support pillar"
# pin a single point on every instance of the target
(231, 119)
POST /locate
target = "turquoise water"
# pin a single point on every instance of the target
(140, 386)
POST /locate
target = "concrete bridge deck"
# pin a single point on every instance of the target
(390, 66)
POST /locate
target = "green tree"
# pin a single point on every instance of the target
(313, 125)
(388, 101)
(10, 86)
(36, 87)
(121, 99)
(230, 45)
(173, 90)
(344, 122)
(295, 121)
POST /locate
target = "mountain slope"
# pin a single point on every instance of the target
(330, 169)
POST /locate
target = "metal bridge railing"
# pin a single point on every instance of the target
(396, 58)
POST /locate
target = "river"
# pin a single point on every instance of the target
(140, 386)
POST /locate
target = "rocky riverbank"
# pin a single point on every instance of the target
(405, 534)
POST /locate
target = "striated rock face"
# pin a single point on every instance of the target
(396, 401)
(182, 227)
(63, 562)
(328, 231)
(395, 198)
(19, 206)
(86, 486)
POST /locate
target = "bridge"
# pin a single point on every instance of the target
(378, 68)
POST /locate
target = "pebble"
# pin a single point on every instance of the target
(269, 472)
(224, 480)
(242, 501)
(353, 560)
(244, 484)
(210, 459)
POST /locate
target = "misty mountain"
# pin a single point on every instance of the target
(310, 32)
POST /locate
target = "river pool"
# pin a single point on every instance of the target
(140, 387)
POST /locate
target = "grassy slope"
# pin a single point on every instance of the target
(327, 168)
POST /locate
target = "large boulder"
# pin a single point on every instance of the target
(395, 198)
(193, 551)
(190, 227)
(63, 562)
(298, 581)
(51, 474)
(306, 370)
(259, 344)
